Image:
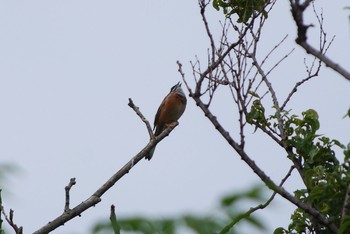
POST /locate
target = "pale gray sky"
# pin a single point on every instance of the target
(67, 69)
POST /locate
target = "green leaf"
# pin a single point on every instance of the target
(347, 153)
(345, 226)
(244, 9)
(254, 193)
(280, 230)
(202, 225)
(337, 143)
(311, 117)
(216, 5)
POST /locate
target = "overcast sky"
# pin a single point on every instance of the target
(67, 69)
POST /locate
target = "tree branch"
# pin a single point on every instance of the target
(96, 196)
(72, 182)
(327, 61)
(9, 220)
(256, 169)
(216, 62)
(297, 12)
(143, 118)
(258, 207)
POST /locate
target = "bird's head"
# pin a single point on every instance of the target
(177, 89)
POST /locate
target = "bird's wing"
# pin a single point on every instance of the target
(160, 108)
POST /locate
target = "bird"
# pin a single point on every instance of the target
(169, 111)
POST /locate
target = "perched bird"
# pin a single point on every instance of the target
(169, 111)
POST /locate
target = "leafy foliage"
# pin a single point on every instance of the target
(244, 9)
(257, 114)
(229, 213)
(325, 178)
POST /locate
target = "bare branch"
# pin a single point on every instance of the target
(203, 4)
(297, 12)
(72, 182)
(220, 58)
(295, 89)
(327, 61)
(96, 196)
(10, 221)
(143, 118)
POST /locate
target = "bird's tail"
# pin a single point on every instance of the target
(150, 155)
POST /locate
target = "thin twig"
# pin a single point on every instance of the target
(295, 89)
(220, 58)
(297, 13)
(142, 117)
(10, 221)
(327, 61)
(203, 4)
(273, 95)
(72, 182)
(279, 61)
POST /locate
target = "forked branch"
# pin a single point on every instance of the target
(251, 163)
(298, 10)
(96, 196)
(10, 220)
